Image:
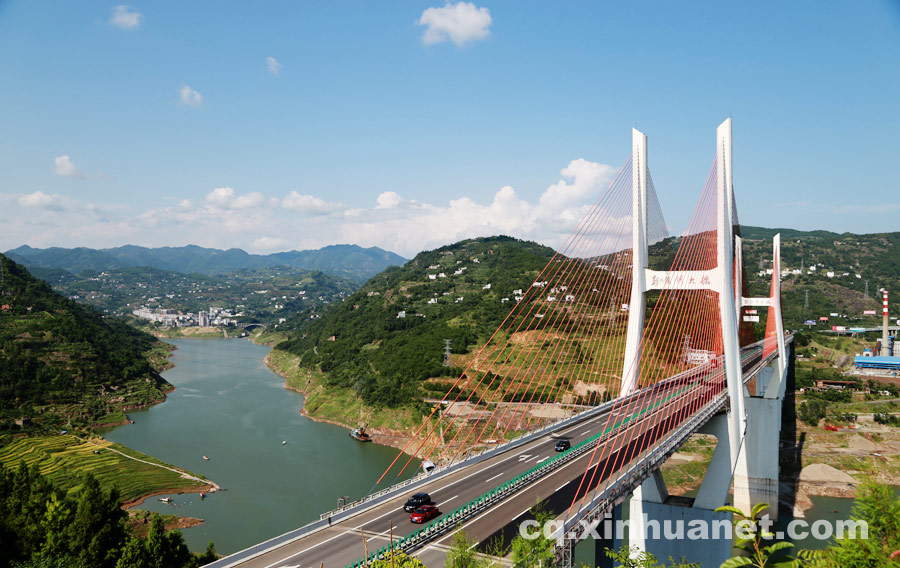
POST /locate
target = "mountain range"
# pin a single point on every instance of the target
(351, 260)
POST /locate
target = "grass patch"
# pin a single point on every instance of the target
(64, 459)
(334, 403)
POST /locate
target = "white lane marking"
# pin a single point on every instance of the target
(493, 478)
(585, 432)
(524, 457)
(563, 485)
(543, 459)
(532, 444)
(451, 498)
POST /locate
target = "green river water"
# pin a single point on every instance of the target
(230, 407)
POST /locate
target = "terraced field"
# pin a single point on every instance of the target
(64, 459)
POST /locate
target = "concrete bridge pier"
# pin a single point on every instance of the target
(669, 526)
(756, 479)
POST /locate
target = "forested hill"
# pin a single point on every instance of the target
(826, 273)
(345, 260)
(388, 336)
(61, 361)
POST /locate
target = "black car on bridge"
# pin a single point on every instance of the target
(417, 501)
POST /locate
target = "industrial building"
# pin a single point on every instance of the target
(888, 349)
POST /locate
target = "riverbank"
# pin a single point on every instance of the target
(139, 522)
(341, 407)
(193, 332)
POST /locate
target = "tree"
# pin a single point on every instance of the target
(209, 556)
(758, 555)
(134, 555)
(879, 508)
(811, 411)
(635, 558)
(57, 518)
(539, 551)
(397, 559)
(98, 531)
(166, 550)
(461, 553)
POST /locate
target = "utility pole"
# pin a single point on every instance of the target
(446, 352)
(806, 300)
(867, 288)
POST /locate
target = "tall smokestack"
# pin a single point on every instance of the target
(885, 347)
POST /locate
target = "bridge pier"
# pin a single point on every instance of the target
(652, 510)
(679, 530)
(756, 480)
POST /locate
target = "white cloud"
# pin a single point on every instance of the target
(124, 18)
(460, 23)
(273, 65)
(63, 166)
(268, 243)
(190, 97)
(309, 204)
(225, 198)
(221, 196)
(388, 200)
(41, 200)
(588, 179)
(223, 218)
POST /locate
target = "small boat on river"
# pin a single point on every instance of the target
(165, 499)
(360, 435)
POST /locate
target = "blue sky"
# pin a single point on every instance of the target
(410, 125)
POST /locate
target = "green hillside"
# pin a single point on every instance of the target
(386, 338)
(61, 362)
(835, 270)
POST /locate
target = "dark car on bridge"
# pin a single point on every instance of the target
(563, 445)
(424, 514)
(417, 501)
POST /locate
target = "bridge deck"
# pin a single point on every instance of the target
(342, 543)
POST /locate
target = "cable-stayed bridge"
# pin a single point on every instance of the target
(626, 343)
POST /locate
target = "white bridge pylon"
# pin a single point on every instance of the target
(732, 459)
(719, 279)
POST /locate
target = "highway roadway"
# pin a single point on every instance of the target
(347, 541)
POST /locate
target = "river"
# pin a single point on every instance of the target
(232, 408)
